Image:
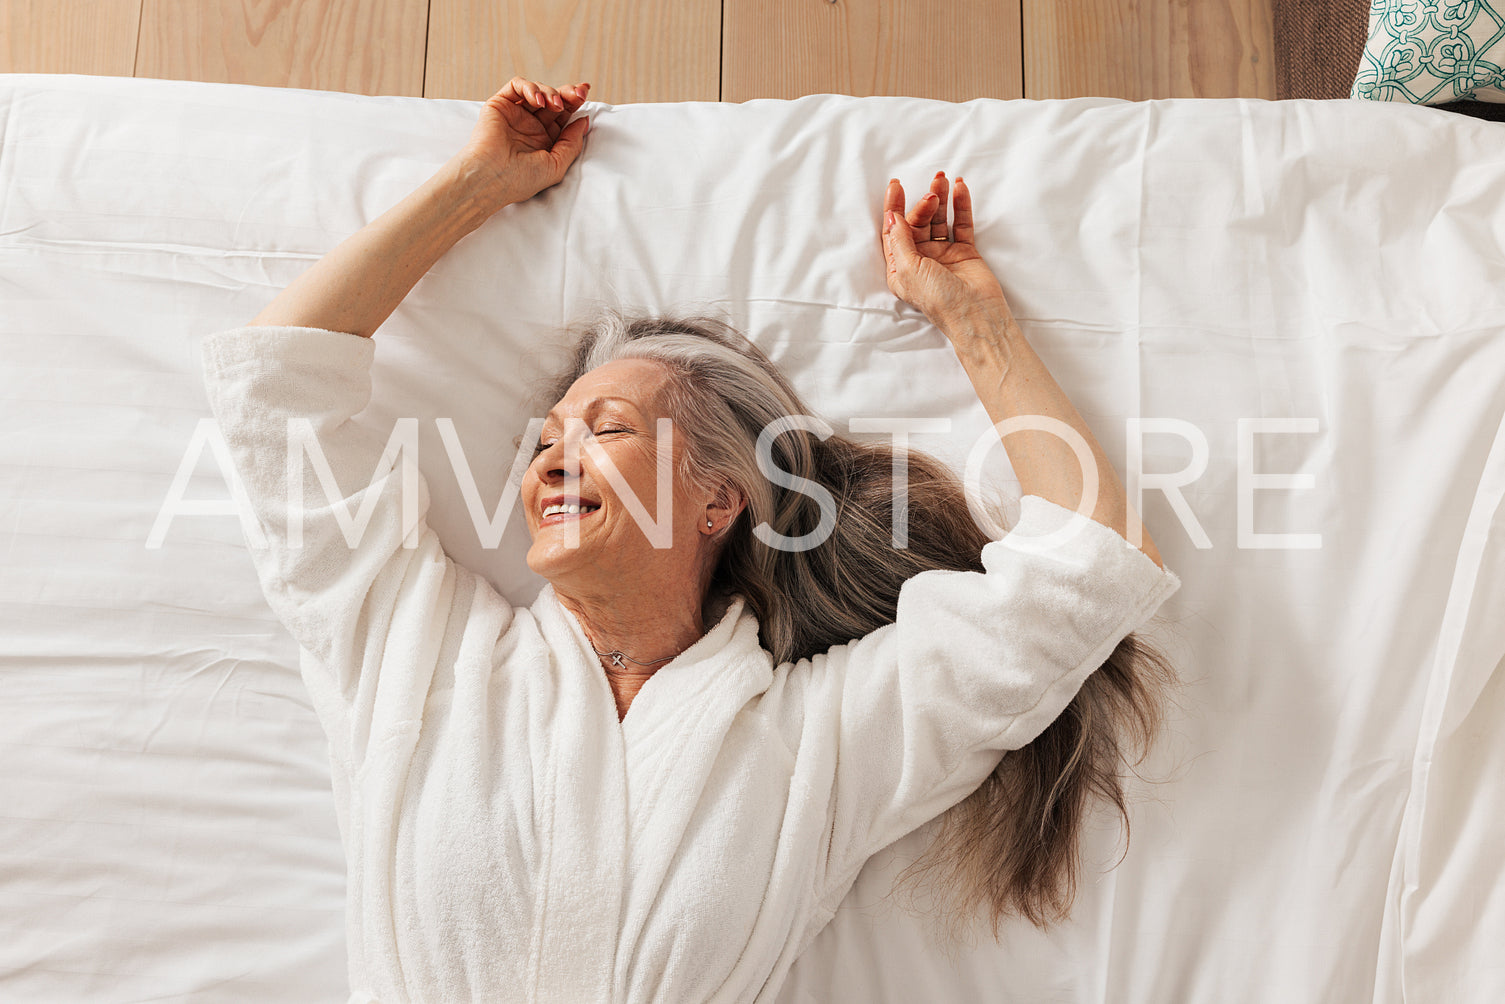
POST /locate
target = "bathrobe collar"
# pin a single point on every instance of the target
(657, 761)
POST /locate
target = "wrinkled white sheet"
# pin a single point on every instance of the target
(1324, 821)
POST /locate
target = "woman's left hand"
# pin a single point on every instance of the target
(521, 144)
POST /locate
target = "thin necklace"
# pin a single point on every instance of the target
(616, 658)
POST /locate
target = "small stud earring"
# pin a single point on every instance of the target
(707, 522)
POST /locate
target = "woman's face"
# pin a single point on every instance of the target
(609, 420)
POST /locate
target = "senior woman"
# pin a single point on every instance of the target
(659, 780)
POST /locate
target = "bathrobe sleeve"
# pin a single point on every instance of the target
(976, 663)
(349, 565)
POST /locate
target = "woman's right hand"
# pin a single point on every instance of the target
(521, 145)
(946, 280)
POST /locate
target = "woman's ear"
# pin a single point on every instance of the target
(724, 508)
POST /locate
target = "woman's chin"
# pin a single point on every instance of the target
(552, 560)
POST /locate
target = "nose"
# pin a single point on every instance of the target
(552, 465)
(555, 463)
(552, 475)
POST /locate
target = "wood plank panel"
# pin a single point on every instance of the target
(1149, 49)
(360, 46)
(69, 36)
(629, 50)
(952, 50)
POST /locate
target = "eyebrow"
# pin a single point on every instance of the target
(595, 402)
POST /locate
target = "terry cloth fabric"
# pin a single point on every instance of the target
(507, 837)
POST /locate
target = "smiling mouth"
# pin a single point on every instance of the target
(559, 512)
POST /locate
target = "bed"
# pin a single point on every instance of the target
(1288, 315)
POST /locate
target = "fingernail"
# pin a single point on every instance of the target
(888, 219)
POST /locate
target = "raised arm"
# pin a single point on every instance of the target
(949, 282)
(520, 146)
(349, 563)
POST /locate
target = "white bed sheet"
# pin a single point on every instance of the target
(1327, 823)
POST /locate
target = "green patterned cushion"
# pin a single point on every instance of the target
(1429, 52)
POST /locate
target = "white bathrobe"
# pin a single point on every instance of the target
(508, 839)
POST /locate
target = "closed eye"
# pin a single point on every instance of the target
(600, 432)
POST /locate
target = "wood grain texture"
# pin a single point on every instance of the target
(1148, 49)
(359, 46)
(69, 36)
(665, 50)
(629, 50)
(952, 50)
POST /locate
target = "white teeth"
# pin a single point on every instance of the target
(560, 508)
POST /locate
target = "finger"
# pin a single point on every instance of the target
(940, 188)
(569, 144)
(571, 98)
(898, 252)
(532, 93)
(919, 217)
(516, 91)
(899, 243)
(893, 197)
(552, 100)
(963, 212)
(521, 91)
(554, 109)
(527, 92)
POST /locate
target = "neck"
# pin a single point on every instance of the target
(641, 627)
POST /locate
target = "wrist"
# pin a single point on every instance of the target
(981, 313)
(982, 330)
(471, 190)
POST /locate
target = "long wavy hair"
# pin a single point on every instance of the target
(1012, 846)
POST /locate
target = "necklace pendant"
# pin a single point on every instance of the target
(616, 660)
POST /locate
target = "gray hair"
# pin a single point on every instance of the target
(1011, 845)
